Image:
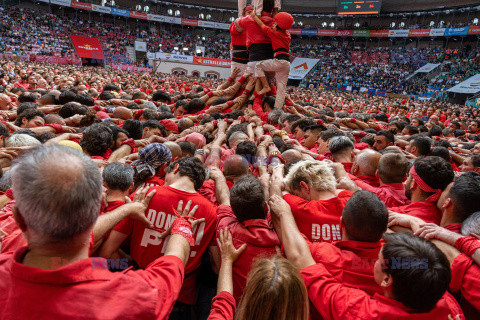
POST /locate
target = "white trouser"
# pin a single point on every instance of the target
(241, 66)
(251, 67)
(257, 4)
(282, 70)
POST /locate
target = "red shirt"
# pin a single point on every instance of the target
(392, 194)
(426, 211)
(319, 220)
(154, 182)
(146, 246)
(466, 279)
(336, 301)
(257, 107)
(237, 38)
(21, 84)
(88, 290)
(14, 238)
(208, 190)
(349, 262)
(258, 234)
(347, 166)
(371, 180)
(279, 39)
(254, 33)
(454, 227)
(223, 307)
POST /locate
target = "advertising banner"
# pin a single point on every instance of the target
(309, 32)
(120, 12)
(295, 31)
(379, 33)
(101, 9)
(189, 22)
(300, 67)
(474, 30)
(138, 15)
(398, 33)
(155, 17)
(361, 33)
(419, 33)
(212, 62)
(344, 33)
(456, 31)
(173, 57)
(206, 24)
(471, 85)
(87, 47)
(82, 5)
(437, 32)
(140, 46)
(427, 68)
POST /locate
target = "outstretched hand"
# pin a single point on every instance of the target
(226, 247)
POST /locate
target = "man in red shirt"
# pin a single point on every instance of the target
(53, 278)
(351, 260)
(184, 177)
(392, 169)
(315, 201)
(242, 211)
(22, 83)
(341, 148)
(258, 44)
(427, 179)
(238, 45)
(365, 166)
(414, 276)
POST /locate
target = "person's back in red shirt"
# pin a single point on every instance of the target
(146, 244)
(258, 234)
(258, 44)
(319, 220)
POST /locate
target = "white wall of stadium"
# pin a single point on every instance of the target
(189, 69)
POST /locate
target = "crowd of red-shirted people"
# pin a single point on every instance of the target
(128, 195)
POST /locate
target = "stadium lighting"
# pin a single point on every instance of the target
(185, 49)
(175, 48)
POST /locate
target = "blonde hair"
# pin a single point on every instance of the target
(274, 290)
(21, 140)
(318, 174)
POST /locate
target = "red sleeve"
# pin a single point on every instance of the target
(268, 31)
(257, 107)
(225, 217)
(295, 202)
(125, 226)
(242, 23)
(466, 279)
(333, 300)
(166, 274)
(223, 307)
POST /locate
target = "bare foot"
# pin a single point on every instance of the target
(265, 90)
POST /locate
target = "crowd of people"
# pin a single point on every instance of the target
(374, 68)
(128, 195)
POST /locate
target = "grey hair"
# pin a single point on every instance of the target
(149, 105)
(282, 117)
(57, 191)
(118, 176)
(274, 115)
(21, 140)
(6, 181)
(471, 224)
(235, 136)
(339, 144)
(164, 108)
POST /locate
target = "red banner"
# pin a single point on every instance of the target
(378, 33)
(419, 33)
(212, 62)
(327, 33)
(138, 15)
(474, 30)
(295, 31)
(82, 5)
(87, 47)
(190, 22)
(344, 33)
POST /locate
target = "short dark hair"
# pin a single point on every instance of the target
(27, 97)
(85, 99)
(270, 101)
(422, 144)
(195, 105)
(387, 134)
(435, 131)
(67, 96)
(411, 129)
(329, 134)
(26, 105)
(465, 194)
(441, 152)
(190, 167)
(365, 217)
(420, 271)
(247, 199)
(475, 160)
(106, 95)
(149, 114)
(188, 148)
(134, 128)
(161, 96)
(302, 124)
(29, 114)
(97, 139)
(268, 5)
(434, 171)
(248, 150)
(392, 167)
(154, 124)
(118, 176)
(111, 87)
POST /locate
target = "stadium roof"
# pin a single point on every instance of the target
(330, 6)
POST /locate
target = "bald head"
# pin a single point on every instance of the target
(367, 162)
(236, 138)
(5, 102)
(174, 149)
(291, 155)
(184, 124)
(235, 166)
(122, 113)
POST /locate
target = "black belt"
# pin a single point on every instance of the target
(260, 51)
(283, 57)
